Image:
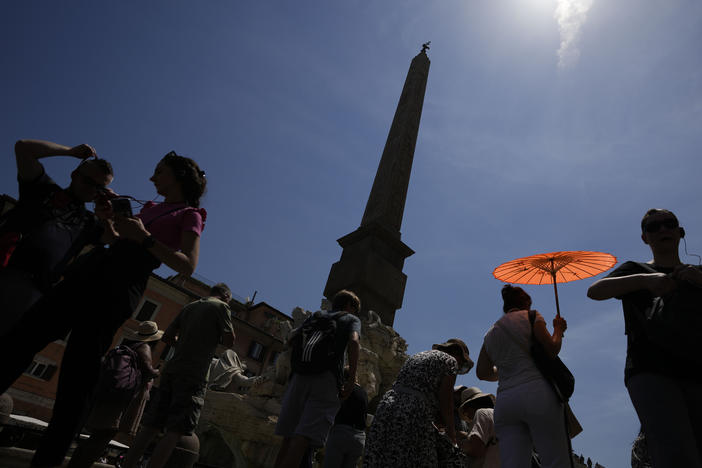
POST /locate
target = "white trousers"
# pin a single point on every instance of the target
(530, 416)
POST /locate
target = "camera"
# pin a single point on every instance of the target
(122, 207)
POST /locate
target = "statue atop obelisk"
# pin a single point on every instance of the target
(373, 256)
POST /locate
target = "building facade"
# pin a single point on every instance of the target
(258, 341)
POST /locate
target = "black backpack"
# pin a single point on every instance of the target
(315, 347)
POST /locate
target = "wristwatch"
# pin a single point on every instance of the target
(148, 242)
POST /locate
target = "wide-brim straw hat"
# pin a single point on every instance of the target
(473, 397)
(455, 343)
(146, 331)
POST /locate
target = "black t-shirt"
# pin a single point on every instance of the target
(353, 410)
(54, 227)
(642, 354)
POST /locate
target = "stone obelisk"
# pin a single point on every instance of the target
(373, 255)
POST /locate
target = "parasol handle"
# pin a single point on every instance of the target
(555, 289)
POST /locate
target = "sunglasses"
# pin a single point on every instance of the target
(86, 179)
(655, 226)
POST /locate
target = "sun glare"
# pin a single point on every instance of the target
(537, 6)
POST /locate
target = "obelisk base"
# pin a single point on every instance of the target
(371, 266)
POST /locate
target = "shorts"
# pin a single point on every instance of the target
(309, 407)
(175, 405)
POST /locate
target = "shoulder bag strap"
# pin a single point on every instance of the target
(647, 267)
(337, 315)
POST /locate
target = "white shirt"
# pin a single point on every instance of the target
(514, 363)
(484, 429)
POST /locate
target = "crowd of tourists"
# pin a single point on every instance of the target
(48, 290)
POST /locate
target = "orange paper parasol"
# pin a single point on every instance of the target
(554, 267)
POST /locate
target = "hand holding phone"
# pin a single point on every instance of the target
(122, 207)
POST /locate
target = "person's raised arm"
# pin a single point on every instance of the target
(607, 288)
(551, 343)
(28, 153)
(485, 369)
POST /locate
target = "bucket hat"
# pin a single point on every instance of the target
(146, 331)
(475, 398)
(455, 343)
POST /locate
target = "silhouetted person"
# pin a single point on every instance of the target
(662, 372)
(101, 293)
(111, 412)
(311, 401)
(347, 436)
(481, 443)
(403, 431)
(528, 413)
(177, 401)
(48, 227)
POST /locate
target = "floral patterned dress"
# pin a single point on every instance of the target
(401, 434)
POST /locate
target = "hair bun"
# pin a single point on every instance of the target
(507, 291)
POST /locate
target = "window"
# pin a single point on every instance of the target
(146, 311)
(41, 370)
(255, 350)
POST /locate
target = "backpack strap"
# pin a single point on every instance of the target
(336, 315)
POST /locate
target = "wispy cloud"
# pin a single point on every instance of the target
(570, 15)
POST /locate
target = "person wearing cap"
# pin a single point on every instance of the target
(109, 417)
(528, 413)
(402, 433)
(481, 443)
(662, 370)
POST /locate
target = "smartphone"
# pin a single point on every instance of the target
(122, 207)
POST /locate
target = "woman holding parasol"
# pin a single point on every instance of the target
(528, 412)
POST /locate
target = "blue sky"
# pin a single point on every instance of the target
(287, 107)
